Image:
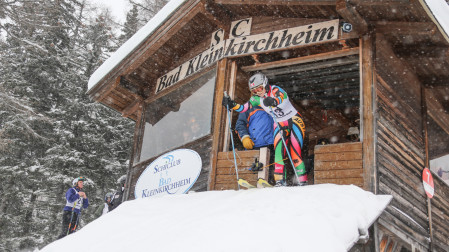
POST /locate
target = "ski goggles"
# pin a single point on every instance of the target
(257, 89)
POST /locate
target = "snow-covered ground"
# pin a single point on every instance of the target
(327, 218)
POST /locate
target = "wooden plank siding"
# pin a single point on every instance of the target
(226, 177)
(400, 148)
(339, 164)
(440, 215)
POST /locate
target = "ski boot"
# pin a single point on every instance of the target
(280, 182)
(302, 180)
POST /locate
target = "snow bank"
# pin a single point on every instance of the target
(313, 218)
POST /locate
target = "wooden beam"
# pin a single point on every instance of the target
(135, 151)
(100, 96)
(379, 2)
(427, 159)
(217, 123)
(131, 109)
(211, 11)
(277, 2)
(434, 81)
(351, 15)
(367, 78)
(422, 51)
(302, 60)
(231, 93)
(417, 28)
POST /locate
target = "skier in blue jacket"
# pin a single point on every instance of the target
(76, 199)
(255, 130)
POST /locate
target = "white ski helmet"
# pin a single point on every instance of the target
(257, 80)
(75, 181)
(122, 180)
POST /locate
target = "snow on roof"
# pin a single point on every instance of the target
(327, 218)
(437, 9)
(131, 44)
(439, 12)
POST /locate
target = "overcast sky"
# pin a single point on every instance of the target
(118, 8)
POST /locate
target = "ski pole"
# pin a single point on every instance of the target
(273, 163)
(76, 223)
(285, 144)
(71, 218)
(232, 140)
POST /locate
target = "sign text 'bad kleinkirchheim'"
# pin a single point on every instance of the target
(240, 42)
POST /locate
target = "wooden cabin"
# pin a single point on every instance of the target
(381, 67)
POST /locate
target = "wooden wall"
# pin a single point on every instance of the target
(401, 154)
(339, 164)
(226, 177)
(440, 215)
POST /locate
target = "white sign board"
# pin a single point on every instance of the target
(246, 44)
(172, 173)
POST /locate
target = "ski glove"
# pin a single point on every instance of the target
(227, 101)
(270, 102)
(247, 142)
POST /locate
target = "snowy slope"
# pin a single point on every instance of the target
(316, 218)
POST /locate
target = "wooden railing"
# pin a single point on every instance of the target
(340, 164)
(226, 178)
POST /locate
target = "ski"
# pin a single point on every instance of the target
(245, 184)
(248, 185)
(263, 183)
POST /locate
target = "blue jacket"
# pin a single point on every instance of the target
(73, 198)
(256, 123)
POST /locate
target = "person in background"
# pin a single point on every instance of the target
(118, 195)
(75, 200)
(255, 130)
(289, 124)
(105, 208)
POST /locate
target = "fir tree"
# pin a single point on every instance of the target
(50, 131)
(148, 9)
(131, 25)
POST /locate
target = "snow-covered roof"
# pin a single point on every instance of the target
(130, 45)
(438, 10)
(327, 218)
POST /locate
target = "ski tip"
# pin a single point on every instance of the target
(245, 184)
(263, 183)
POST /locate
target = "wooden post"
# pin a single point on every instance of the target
(135, 149)
(231, 91)
(368, 92)
(264, 157)
(218, 117)
(426, 162)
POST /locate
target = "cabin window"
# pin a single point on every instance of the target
(179, 117)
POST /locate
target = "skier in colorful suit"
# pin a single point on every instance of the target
(274, 100)
(76, 199)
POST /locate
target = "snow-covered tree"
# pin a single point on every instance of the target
(131, 25)
(147, 9)
(50, 131)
